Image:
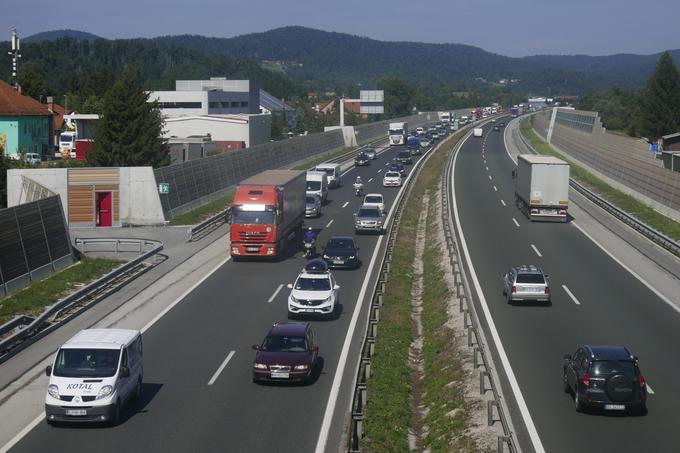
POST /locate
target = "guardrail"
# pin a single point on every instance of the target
(23, 330)
(368, 344)
(650, 233)
(475, 336)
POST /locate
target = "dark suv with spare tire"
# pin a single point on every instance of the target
(605, 377)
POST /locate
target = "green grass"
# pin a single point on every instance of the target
(204, 211)
(388, 414)
(38, 295)
(623, 201)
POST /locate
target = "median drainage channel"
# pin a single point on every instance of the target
(418, 386)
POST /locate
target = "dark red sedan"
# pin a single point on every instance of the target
(288, 353)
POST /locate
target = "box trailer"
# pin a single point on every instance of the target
(542, 187)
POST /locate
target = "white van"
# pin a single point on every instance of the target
(333, 173)
(317, 183)
(94, 374)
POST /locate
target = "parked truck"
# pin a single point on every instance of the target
(267, 213)
(397, 133)
(542, 187)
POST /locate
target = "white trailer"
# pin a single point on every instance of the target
(542, 187)
(477, 132)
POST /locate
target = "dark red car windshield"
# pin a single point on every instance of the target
(281, 343)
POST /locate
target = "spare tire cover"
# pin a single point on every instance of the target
(619, 388)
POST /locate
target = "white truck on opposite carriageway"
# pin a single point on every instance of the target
(542, 187)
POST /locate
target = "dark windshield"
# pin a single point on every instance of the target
(314, 185)
(280, 343)
(369, 213)
(252, 217)
(606, 367)
(373, 200)
(530, 278)
(404, 153)
(86, 363)
(312, 284)
(340, 244)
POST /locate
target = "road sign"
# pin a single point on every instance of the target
(163, 187)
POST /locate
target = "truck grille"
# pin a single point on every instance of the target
(251, 236)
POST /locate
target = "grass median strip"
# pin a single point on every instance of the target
(35, 297)
(623, 201)
(204, 211)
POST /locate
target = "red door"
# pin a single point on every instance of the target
(104, 212)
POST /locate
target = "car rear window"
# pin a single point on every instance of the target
(392, 174)
(369, 213)
(607, 367)
(530, 278)
(373, 199)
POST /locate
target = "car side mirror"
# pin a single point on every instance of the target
(48, 371)
(289, 286)
(256, 347)
(124, 371)
(546, 275)
(336, 287)
(566, 356)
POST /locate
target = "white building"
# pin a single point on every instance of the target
(227, 131)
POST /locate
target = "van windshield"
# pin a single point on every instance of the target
(314, 185)
(86, 363)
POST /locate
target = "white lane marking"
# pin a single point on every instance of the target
(387, 163)
(570, 294)
(184, 294)
(490, 178)
(14, 440)
(219, 370)
(370, 179)
(631, 271)
(345, 205)
(502, 202)
(276, 293)
(523, 408)
(495, 189)
(339, 369)
(487, 168)
(536, 250)
(329, 223)
(516, 222)
(379, 170)
(649, 390)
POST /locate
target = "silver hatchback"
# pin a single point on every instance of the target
(526, 283)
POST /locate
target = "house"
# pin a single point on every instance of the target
(25, 124)
(325, 107)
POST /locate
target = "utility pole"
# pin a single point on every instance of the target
(15, 57)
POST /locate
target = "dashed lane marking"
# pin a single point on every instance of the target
(221, 368)
(536, 250)
(570, 294)
(345, 205)
(276, 293)
(516, 222)
(329, 223)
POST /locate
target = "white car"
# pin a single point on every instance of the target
(420, 130)
(392, 179)
(314, 292)
(375, 199)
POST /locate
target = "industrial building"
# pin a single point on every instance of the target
(229, 132)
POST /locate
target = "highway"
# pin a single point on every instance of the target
(594, 301)
(198, 394)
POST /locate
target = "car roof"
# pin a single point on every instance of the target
(373, 195)
(528, 269)
(288, 328)
(101, 338)
(341, 238)
(392, 173)
(609, 352)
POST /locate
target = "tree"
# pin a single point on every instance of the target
(399, 96)
(660, 100)
(299, 121)
(33, 81)
(130, 128)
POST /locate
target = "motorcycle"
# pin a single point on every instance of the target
(358, 189)
(310, 249)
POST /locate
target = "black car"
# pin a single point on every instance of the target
(404, 157)
(605, 377)
(341, 251)
(398, 167)
(362, 159)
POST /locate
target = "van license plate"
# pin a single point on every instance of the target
(280, 375)
(76, 412)
(614, 407)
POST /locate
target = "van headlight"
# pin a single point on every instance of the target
(104, 392)
(53, 390)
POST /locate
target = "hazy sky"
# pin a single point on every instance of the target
(508, 27)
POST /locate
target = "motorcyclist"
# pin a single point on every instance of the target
(310, 238)
(358, 185)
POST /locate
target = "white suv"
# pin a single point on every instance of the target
(392, 178)
(375, 199)
(314, 291)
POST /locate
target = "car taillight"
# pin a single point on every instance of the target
(586, 380)
(643, 383)
(547, 290)
(514, 289)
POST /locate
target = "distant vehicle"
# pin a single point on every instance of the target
(413, 145)
(605, 377)
(434, 136)
(404, 157)
(514, 111)
(289, 352)
(493, 120)
(73, 147)
(425, 141)
(445, 117)
(526, 283)
(313, 205)
(392, 179)
(268, 209)
(341, 251)
(542, 187)
(317, 182)
(463, 120)
(361, 159)
(397, 166)
(501, 124)
(455, 125)
(375, 199)
(420, 130)
(369, 218)
(371, 153)
(314, 291)
(477, 132)
(93, 375)
(333, 173)
(32, 158)
(496, 128)
(397, 133)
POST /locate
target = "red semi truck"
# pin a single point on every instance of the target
(267, 212)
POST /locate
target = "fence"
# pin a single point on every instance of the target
(34, 242)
